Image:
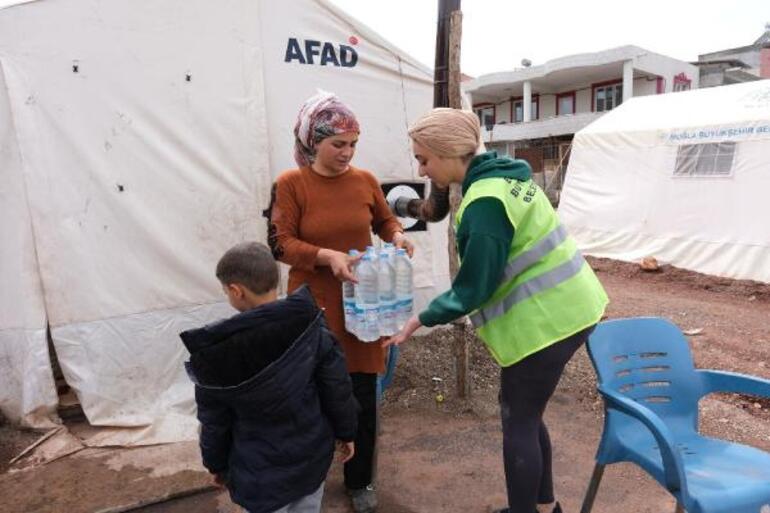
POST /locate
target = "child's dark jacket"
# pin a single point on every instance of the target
(273, 393)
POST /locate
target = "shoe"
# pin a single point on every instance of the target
(364, 499)
(556, 509)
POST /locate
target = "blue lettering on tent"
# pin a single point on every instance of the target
(293, 51)
(312, 50)
(320, 53)
(711, 134)
(328, 55)
(348, 57)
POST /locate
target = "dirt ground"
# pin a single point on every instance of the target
(12, 442)
(445, 456)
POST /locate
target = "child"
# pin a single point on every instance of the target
(272, 390)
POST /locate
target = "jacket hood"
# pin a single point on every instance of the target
(230, 352)
(489, 165)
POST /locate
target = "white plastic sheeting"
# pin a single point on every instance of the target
(622, 200)
(27, 390)
(138, 141)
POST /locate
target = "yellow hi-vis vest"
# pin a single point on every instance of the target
(548, 291)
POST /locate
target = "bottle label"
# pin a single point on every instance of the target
(404, 306)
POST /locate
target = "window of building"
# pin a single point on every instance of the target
(709, 159)
(550, 152)
(565, 103)
(486, 115)
(682, 83)
(518, 110)
(607, 97)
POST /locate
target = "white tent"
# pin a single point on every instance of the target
(138, 141)
(683, 177)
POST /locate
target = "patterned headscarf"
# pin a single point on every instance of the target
(322, 116)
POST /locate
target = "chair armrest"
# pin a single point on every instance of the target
(672, 460)
(720, 381)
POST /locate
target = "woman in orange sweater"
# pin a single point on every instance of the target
(318, 212)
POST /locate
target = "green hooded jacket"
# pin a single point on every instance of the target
(483, 241)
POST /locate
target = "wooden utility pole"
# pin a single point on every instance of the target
(447, 65)
(463, 332)
(447, 93)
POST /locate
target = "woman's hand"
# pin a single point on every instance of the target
(402, 336)
(340, 263)
(400, 241)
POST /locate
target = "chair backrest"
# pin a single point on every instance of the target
(648, 359)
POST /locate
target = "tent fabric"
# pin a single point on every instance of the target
(138, 141)
(27, 391)
(623, 200)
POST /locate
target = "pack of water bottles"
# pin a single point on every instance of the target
(381, 302)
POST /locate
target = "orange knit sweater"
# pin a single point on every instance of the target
(310, 212)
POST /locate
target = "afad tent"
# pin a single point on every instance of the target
(683, 177)
(138, 141)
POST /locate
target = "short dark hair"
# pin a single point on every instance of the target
(250, 264)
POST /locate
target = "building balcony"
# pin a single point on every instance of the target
(538, 129)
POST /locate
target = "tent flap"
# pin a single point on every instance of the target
(27, 391)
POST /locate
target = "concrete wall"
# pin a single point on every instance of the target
(583, 99)
(645, 87)
(547, 106)
(543, 128)
(504, 112)
(667, 68)
(712, 78)
(749, 55)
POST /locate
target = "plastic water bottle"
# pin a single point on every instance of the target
(387, 290)
(367, 299)
(349, 301)
(404, 297)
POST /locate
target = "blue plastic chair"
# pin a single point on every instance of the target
(651, 391)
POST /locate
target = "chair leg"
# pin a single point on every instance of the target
(593, 487)
(679, 508)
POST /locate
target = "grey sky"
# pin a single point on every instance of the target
(497, 34)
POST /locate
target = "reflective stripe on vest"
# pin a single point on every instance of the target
(547, 290)
(530, 257)
(531, 287)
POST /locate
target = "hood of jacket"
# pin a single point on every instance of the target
(489, 165)
(251, 346)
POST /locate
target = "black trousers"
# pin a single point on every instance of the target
(359, 471)
(525, 388)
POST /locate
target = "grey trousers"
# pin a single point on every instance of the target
(307, 504)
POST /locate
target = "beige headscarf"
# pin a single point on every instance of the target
(448, 132)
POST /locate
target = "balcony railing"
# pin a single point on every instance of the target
(553, 126)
